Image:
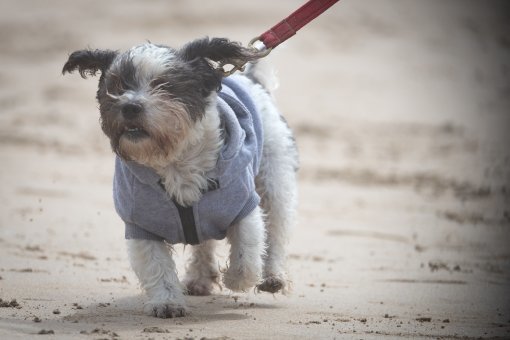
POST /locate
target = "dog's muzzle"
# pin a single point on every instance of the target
(131, 111)
(133, 130)
(134, 133)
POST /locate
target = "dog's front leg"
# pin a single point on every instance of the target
(153, 264)
(246, 240)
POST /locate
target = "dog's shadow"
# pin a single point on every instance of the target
(127, 312)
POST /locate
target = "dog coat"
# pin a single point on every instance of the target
(149, 213)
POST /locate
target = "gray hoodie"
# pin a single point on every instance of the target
(149, 213)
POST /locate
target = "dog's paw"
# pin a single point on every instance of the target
(199, 287)
(272, 284)
(165, 310)
(241, 279)
(201, 281)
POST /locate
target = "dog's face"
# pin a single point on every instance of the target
(151, 96)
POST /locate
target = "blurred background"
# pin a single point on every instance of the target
(401, 111)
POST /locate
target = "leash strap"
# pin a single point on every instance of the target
(264, 43)
(290, 25)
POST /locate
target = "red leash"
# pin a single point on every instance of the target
(283, 30)
(294, 22)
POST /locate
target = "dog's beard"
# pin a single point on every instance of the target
(153, 139)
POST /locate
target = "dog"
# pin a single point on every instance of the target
(199, 157)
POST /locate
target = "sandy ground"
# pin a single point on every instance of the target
(401, 112)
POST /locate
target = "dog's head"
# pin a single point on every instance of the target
(151, 96)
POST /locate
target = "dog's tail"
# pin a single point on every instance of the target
(261, 72)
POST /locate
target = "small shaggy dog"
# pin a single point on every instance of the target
(200, 157)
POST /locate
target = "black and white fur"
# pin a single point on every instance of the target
(158, 108)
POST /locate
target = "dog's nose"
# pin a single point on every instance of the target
(131, 110)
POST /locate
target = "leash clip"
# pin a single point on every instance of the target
(235, 67)
(257, 46)
(260, 48)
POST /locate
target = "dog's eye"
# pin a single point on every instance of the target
(114, 91)
(114, 85)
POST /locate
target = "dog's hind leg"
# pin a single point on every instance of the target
(153, 264)
(202, 271)
(279, 208)
(246, 240)
(277, 186)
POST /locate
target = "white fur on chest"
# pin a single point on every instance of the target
(185, 176)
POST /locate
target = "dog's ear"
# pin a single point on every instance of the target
(88, 62)
(219, 50)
